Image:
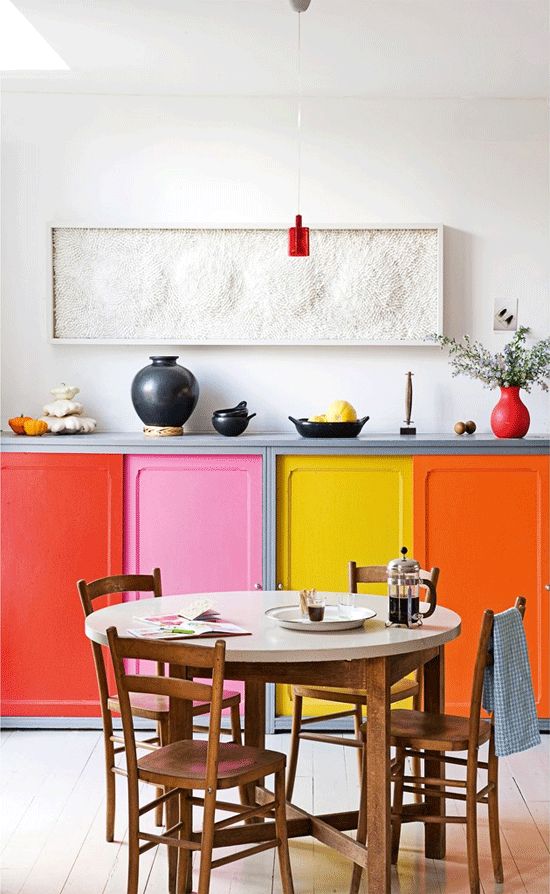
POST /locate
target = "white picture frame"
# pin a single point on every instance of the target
(436, 229)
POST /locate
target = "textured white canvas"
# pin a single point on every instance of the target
(190, 286)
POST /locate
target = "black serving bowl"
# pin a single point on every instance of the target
(231, 426)
(328, 429)
(240, 410)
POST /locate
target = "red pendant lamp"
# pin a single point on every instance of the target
(298, 236)
(298, 240)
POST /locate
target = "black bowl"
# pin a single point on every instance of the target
(231, 426)
(328, 429)
(240, 410)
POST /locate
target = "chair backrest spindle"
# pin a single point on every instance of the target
(182, 656)
(377, 574)
(106, 586)
(365, 574)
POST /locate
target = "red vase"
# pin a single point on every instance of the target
(510, 418)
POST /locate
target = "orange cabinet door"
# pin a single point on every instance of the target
(484, 521)
(61, 520)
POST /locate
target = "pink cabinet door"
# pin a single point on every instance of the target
(198, 518)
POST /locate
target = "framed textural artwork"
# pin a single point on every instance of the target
(370, 285)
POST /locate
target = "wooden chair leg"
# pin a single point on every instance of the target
(236, 734)
(357, 721)
(207, 841)
(416, 761)
(133, 840)
(294, 745)
(163, 734)
(245, 792)
(185, 865)
(397, 807)
(172, 813)
(471, 825)
(361, 821)
(418, 699)
(280, 824)
(110, 783)
(494, 825)
(248, 796)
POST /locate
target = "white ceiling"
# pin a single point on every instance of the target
(377, 48)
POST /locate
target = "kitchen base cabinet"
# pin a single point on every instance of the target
(334, 509)
(61, 521)
(484, 521)
(198, 518)
(480, 511)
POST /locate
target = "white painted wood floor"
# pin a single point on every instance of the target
(52, 837)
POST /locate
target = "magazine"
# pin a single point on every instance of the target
(197, 610)
(182, 629)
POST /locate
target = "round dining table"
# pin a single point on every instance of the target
(371, 657)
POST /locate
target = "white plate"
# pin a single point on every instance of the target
(290, 616)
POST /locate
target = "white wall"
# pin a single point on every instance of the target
(478, 166)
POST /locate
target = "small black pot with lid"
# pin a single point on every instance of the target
(240, 410)
(232, 421)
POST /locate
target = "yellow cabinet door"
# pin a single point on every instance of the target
(336, 509)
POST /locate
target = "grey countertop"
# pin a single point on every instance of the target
(375, 444)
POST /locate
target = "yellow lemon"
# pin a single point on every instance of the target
(322, 418)
(341, 411)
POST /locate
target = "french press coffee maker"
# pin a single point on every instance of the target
(404, 582)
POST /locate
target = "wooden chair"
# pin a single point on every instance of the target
(413, 733)
(357, 698)
(190, 764)
(150, 707)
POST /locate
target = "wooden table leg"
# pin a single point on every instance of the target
(254, 728)
(254, 713)
(434, 703)
(378, 775)
(181, 727)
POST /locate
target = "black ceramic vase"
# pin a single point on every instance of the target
(164, 394)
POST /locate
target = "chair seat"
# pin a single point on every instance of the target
(404, 688)
(155, 707)
(435, 732)
(183, 764)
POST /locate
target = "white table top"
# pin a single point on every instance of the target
(271, 643)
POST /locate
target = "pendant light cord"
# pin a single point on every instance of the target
(299, 117)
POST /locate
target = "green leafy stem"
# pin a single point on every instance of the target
(517, 365)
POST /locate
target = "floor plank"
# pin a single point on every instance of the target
(53, 827)
(45, 770)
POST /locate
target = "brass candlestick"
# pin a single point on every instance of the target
(408, 429)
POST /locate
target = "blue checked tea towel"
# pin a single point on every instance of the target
(507, 687)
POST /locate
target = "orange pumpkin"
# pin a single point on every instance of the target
(35, 427)
(17, 424)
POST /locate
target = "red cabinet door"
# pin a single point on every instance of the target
(484, 521)
(61, 521)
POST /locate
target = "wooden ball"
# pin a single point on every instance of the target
(470, 427)
(460, 428)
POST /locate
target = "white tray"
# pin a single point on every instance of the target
(290, 616)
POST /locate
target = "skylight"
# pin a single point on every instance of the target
(22, 48)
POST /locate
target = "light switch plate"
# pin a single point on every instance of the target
(506, 314)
